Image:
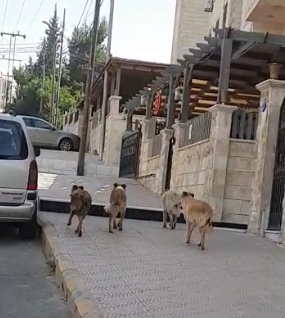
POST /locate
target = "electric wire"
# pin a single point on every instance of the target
(85, 6)
(20, 15)
(5, 11)
(35, 16)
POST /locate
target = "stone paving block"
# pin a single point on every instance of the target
(146, 271)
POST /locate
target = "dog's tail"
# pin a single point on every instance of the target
(109, 207)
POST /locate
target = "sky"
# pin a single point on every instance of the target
(143, 29)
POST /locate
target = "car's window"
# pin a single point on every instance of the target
(41, 124)
(28, 121)
(13, 143)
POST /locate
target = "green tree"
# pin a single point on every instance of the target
(79, 51)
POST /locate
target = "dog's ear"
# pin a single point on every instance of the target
(191, 194)
(74, 187)
(124, 186)
(115, 185)
(81, 187)
(185, 194)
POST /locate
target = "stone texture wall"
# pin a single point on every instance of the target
(191, 168)
(191, 24)
(239, 177)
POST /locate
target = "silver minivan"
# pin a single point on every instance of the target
(19, 201)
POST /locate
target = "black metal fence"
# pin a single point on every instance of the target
(198, 128)
(278, 187)
(244, 124)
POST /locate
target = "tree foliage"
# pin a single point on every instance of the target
(29, 78)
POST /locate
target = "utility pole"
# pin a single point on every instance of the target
(12, 35)
(43, 80)
(59, 71)
(53, 81)
(89, 81)
(105, 85)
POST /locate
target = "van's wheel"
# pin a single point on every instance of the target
(65, 144)
(28, 230)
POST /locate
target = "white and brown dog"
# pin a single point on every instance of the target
(171, 202)
(117, 205)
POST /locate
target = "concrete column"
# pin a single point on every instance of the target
(219, 141)
(271, 99)
(113, 133)
(166, 136)
(114, 104)
(180, 134)
(80, 119)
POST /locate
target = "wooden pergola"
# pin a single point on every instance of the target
(224, 69)
(126, 77)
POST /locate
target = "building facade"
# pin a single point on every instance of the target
(195, 19)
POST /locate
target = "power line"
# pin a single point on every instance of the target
(85, 6)
(5, 11)
(35, 16)
(24, 1)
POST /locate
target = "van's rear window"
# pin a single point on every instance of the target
(13, 143)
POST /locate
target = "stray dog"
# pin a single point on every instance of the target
(196, 213)
(80, 203)
(171, 202)
(117, 204)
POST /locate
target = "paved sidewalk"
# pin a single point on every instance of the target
(148, 272)
(57, 186)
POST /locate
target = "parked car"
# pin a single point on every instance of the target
(19, 201)
(45, 135)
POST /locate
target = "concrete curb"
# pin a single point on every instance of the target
(78, 297)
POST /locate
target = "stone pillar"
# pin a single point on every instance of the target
(114, 104)
(114, 132)
(166, 136)
(80, 119)
(271, 99)
(219, 143)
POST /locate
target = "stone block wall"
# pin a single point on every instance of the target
(239, 177)
(191, 168)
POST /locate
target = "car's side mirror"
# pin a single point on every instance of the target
(37, 151)
(53, 129)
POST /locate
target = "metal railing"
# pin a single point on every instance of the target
(198, 128)
(244, 124)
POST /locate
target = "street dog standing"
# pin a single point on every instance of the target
(117, 204)
(196, 213)
(80, 203)
(171, 202)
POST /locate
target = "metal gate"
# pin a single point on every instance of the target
(276, 208)
(130, 155)
(169, 164)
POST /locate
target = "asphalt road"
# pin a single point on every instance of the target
(27, 289)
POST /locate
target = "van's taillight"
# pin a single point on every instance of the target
(33, 176)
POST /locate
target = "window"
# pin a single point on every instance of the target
(41, 124)
(28, 121)
(13, 143)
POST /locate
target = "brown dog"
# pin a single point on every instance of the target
(80, 203)
(196, 213)
(117, 204)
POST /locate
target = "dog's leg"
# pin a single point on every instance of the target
(164, 219)
(122, 217)
(80, 223)
(171, 221)
(202, 231)
(189, 230)
(111, 222)
(175, 222)
(71, 214)
(114, 223)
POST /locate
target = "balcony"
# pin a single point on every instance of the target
(266, 11)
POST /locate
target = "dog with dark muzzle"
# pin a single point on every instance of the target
(80, 204)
